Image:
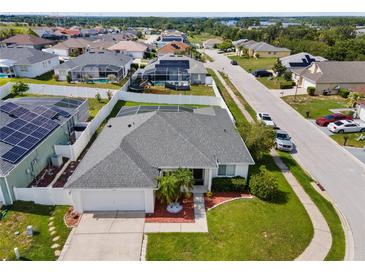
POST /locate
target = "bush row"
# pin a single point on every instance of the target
(228, 184)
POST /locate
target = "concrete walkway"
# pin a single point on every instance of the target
(322, 239)
(200, 224)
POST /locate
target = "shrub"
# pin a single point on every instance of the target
(286, 85)
(287, 76)
(55, 77)
(19, 88)
(68, 78)
(98, 97)
(311, 91)
(264, 185)
(228, 184)
(134, 66)
(343, 92)
(142, 66)
(109, 94)
(278, 67)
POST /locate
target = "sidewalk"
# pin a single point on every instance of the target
(200, 224)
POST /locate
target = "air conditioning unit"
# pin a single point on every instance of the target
(57, 160)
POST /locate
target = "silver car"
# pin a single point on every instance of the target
(283, 141)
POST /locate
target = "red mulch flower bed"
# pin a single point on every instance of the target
(220, 197)
(161, 215)
(72, 218)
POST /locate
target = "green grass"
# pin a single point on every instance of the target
(38, 247)
(47, 79)
(196, 90)
(273, 83)
(351, 141)
(337, 251)
(318, 106)
(201, 38)
(243, 101)
(251, 64)
(243, 230)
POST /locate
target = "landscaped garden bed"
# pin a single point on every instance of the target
(161, 215)
(46, 176)
(72, 218)
(218, 198)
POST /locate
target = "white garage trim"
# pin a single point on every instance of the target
(113, 199)
(2, 199)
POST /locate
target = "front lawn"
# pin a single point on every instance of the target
(38, 247)
(251, 64)
(249, 229)
(274, 83)
(351, 141)
(47, 79)
(318, 106)
(198, 90)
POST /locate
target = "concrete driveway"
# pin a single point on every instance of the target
(106, 236)
(334, 167)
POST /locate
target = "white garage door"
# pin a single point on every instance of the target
(307, 84)
(97, 200)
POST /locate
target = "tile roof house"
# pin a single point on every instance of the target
(134, 49)
(328, 76)
(26, 62)
(95, 66)
(173, 48)
(119, 170)
(27, 40)
(175, 70)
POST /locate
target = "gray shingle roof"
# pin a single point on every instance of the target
(131, 149)
(25, 56)
(337, 72)
(97, 58)
(262, 46)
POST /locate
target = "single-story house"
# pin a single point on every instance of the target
(26, 62)
(300, 60)
(175, 70)
(173, 48)
(329, 76)
(168, 36)
(211, 43)
(119, 170)
(49, 33)
(27, 40)
(95, 66)
(265, 50)
(134, 49)
(29, 130)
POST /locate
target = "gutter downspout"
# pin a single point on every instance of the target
(7, 187)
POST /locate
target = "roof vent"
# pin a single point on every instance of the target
(109, 125)
(129, 125)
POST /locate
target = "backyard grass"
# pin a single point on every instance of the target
(273, 83)
(47, 79)
(337, 251)
(351, 141)
(251, 64)
(249, 229)
(197, 90)
(37, 247)
(318, 106)
(243, 101)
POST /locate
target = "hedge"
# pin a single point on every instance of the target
(286, 85)
(229, 184)
(311, 91)
(343, 92)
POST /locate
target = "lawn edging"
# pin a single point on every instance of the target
(230, 200)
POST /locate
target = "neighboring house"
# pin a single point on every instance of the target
(265, 50)
(29, 130)
(119, 170)
(49, 34)
(95, 66)
(212, 43)
(360, 109)
(136, 50)
(26, 62)
(71, 32)
(28, 41)
(329, 76)
(175, 70)
(300, 60)
(168, 36)
(239, 45)
(173, 48)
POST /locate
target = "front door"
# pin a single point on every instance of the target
(198, 175)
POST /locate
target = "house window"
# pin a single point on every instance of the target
(226, 170)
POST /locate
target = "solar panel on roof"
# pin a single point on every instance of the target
(29, 142)
(17, 123)
(8, 107)
(50, 125)
(14, 154)
(7, 130)
(39, 120)
(39, 109)
(19, 111)
(61, 112)
(11, 140)
(49, 113)
(28, 116)
(40, 133)
(28, 128)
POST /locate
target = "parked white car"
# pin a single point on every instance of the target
(346, 126)
(283, 141)
(266, 119)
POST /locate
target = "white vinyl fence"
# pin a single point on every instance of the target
(5, 90)
(44, 195)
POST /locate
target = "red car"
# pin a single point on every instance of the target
(324, 121)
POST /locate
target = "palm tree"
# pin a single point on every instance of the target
(185, 180)
(169, 190)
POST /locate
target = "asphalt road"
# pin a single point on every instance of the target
(342, 175)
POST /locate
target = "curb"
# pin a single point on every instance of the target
(66, 245)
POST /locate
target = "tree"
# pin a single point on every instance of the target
(19, 88)
(112, 78)
(278, 67)
(225, 45)
(259, 138)
(287, 76)
(353, 99)
(173, 184)
(98, 97)
(264, 185)
(68, 78)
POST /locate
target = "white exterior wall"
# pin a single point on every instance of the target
(306, 83)
(240, 170)
(362, 112)
(2, 199)
(37, 69)
(59, 52)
